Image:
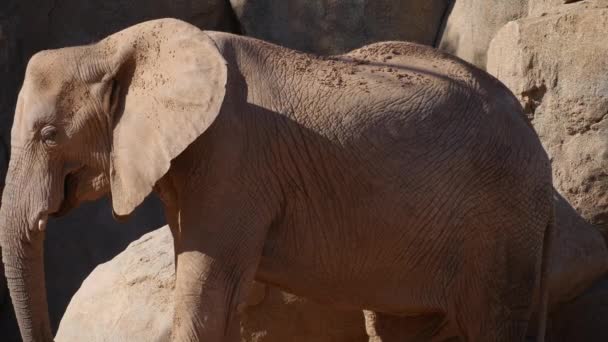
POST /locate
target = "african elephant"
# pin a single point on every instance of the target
(394, 178)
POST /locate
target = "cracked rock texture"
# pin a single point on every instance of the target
(541, 7)
(471, 24)
(130, 299)
(556, 65)
(337, 26)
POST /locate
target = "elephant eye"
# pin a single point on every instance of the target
(48, 135)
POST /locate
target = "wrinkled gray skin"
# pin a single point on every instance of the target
(394, 179)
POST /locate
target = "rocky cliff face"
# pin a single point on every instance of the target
(338, 26)
(554, 64)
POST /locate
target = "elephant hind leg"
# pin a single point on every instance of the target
(389, 328)
(480, 322)
(494, 298)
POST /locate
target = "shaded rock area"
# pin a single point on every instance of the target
(131, 298)
(337, 26)
(556, 66)
(472, 24)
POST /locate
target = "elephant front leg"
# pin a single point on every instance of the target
(213, 277)
(206, 300)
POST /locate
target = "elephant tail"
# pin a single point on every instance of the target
(543, 308)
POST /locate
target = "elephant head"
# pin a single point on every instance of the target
(98, 119)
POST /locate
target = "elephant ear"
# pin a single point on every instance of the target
(170, 80)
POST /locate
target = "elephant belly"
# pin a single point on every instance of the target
(370, 272)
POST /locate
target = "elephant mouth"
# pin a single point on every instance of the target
(67, 202)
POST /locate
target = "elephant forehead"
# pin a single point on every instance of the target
(47, 70)
(34, 107)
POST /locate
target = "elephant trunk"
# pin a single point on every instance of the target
(22, 255)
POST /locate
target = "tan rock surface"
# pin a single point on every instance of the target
(472, 24)
(556, 65)
(541, 7)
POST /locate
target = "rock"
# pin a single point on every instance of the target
(10, 65)
(472, 24)
(337, 26)
(556, 66)
(130, 296)
(86, 237)
(541, 7)
(130, 299)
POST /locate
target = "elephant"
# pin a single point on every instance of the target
(394, 179)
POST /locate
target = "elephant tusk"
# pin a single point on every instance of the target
(42, 223)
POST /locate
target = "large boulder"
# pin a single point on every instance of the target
(556, 65)
(130, 299)
(337, 26)
(541, 7)
(11, 64)
(472, 24)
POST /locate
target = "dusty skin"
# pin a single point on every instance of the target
(394, 178)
